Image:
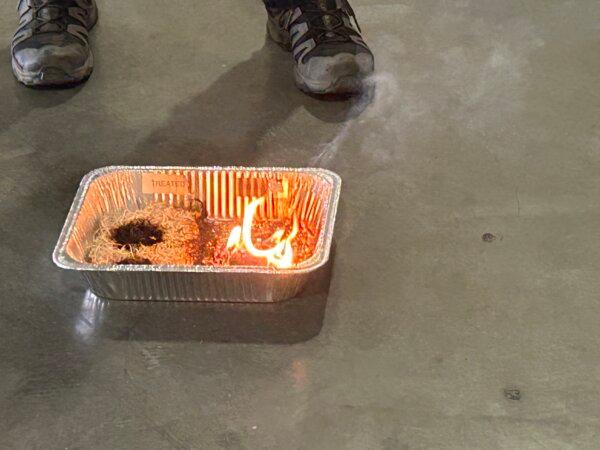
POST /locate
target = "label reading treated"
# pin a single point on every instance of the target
(162, 183)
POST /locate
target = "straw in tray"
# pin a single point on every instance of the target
(157, 234)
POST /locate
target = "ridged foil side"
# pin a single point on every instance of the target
(190, 286)
(224, 192)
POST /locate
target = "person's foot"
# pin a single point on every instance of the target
(324, 37)
(50, 47)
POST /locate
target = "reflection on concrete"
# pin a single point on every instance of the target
(90, 316)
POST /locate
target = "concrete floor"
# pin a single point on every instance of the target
(486, 120)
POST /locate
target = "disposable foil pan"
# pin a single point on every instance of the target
(224, 192)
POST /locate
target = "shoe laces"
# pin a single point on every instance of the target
(331, 25)
(51, 12)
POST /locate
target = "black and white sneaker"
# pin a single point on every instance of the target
(324, 37)
(50, 47)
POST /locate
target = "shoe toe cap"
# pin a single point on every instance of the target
(341, 64)
(326, 70)
(59, 54)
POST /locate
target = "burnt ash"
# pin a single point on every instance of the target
(137, 232)
(135, 261)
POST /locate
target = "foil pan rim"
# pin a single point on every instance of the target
(319, 259)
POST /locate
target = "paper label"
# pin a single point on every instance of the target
(162, 183)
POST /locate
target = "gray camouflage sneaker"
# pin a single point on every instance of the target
(324, 37)
(50, 47)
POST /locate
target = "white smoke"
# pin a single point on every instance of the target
(377, 97)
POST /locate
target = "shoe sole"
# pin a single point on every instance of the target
(349, 80)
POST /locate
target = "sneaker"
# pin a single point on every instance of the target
(50, 47)
(324, 38)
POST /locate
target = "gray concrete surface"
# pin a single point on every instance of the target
(486, 120)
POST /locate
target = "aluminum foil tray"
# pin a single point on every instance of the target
(224, 192)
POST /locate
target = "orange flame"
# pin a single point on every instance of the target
(281, 255)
